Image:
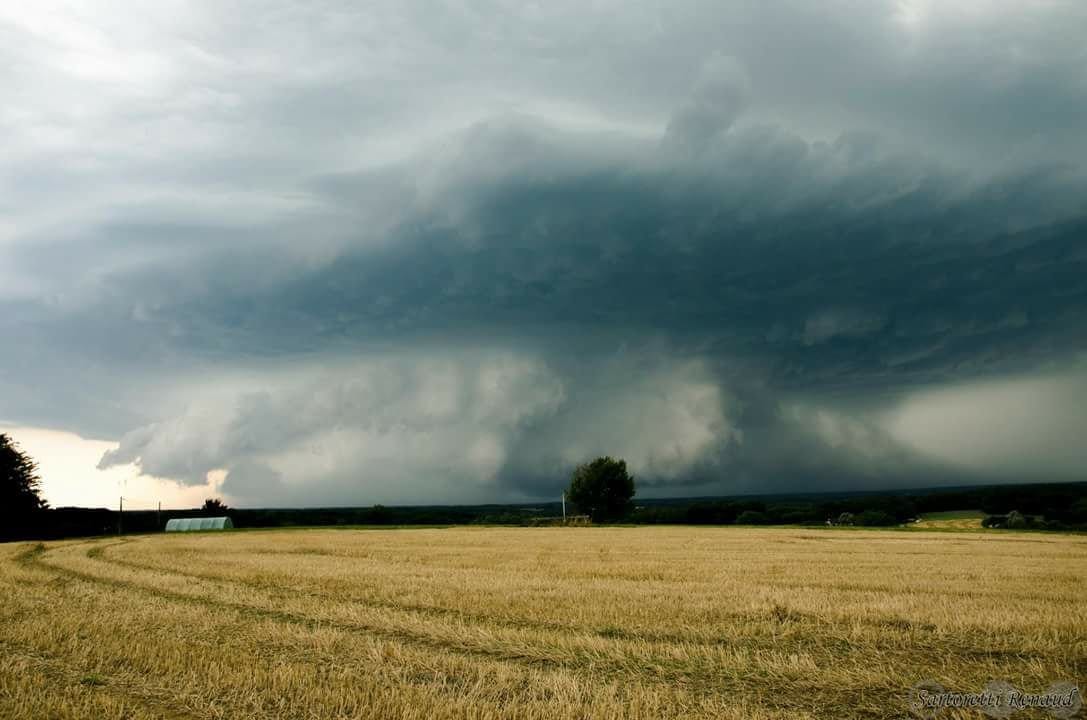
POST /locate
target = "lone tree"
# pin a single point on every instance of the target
(19, 489)
(214, 506)
(602, 488)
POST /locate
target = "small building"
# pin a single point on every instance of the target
(199, 523)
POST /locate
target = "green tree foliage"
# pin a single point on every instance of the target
(752, 517)
(602, 489)
(1017, 520)
(1077, 512)
(875, 518)
(20, 487)
(214, 507)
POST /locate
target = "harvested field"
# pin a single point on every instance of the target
(533, 622)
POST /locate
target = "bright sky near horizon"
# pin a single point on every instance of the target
(68, 468)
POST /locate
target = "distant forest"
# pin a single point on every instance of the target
(1056, 507)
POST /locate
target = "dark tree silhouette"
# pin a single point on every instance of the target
(602, 488)
(214, 506)
(20, 498)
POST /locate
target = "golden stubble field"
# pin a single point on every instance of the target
(533, 622)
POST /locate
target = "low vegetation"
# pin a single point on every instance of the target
(600, 622)
(1060, 507)
(952, 520)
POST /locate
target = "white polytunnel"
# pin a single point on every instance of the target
(201, 523)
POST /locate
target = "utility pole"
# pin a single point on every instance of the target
(158, 515)
(120, 515)
(563, 507)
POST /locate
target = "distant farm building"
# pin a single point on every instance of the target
(191, 524)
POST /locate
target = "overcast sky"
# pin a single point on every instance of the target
(394, 252)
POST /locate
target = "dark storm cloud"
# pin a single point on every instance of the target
(817, 258)
(408, 256)
(746, 292)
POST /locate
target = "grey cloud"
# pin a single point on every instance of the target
(822, 286)
(254, 483)
(827, 324)
(292, 250)
(717, 99)
(1009, 428)
(471, 424)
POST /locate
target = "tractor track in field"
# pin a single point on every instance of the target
(305, 621)
(776, 584)
(693, 680)
(926, 633)
(434, 611)
(609, 634)
(325, 623)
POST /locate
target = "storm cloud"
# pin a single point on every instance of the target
(407, 254)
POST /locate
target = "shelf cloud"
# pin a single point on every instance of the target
(410, 254)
